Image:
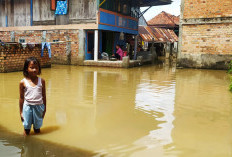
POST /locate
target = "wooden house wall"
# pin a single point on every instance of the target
(82, 11)
(9, 11)
(19, 14)
(42, 14)
(15, 12)
(2, 14)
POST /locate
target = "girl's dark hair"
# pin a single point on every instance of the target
(117, 45)
(26, 64)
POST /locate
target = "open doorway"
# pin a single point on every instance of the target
(90, 46)
(108, 42)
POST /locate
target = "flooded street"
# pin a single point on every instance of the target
(140, 112)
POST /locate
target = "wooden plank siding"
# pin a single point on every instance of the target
(82, 11)
(9, 10)
(42, 13)
(19, 13)
(15, 13)
(2, 14)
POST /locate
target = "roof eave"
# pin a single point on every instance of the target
(146, 3)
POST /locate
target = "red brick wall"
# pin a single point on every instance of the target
(59, 50)
(5, 36)
(207, 8)
(29, 36)
(207, 39)
(12, 57)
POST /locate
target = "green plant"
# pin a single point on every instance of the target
(229, 72)
(230, 87)
(230, 67)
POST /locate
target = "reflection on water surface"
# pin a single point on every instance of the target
(147, 111)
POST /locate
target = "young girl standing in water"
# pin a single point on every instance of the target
(32, 101)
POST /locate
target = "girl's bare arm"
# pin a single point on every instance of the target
(21, 98)
(44, 96)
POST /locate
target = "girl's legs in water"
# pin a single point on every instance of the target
(27, 131)
(36, 130)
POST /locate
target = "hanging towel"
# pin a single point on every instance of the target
(48, 46)
(61, 7)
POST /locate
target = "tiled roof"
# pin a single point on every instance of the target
(164, 19)
(160, 35)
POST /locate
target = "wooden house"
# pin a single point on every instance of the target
(91, 26)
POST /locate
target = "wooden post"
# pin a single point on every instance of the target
(136, 46)
(96, 45)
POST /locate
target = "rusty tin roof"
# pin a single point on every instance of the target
(160, 35)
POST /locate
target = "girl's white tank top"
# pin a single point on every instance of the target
(33, 95)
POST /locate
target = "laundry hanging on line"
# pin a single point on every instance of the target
(48, 46)
(61, 7)
(34, 44)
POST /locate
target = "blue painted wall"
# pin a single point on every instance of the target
(114, 22)
(107, 18)
(122, 22)
(116, 29)
(133, 24)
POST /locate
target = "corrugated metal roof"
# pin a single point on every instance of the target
(162, 35)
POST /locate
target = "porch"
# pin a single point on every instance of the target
(124, 63)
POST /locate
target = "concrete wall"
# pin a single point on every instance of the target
(12, 57)
(205, 34)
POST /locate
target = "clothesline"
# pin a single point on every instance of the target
(32, 45)
(60, 42)
(15, 43)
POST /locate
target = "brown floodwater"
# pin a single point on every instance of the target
(140, 112)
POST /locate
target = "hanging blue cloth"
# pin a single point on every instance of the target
(61, 7)
(48, 45)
